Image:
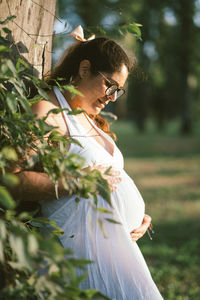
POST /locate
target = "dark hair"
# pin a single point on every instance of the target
(105, 55)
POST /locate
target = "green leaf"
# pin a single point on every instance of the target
(71, 140)
(6, 199)
(32, 244)
(53, 269)
(36, 223)
(43, 94)
(46, 127)
(1, 251)
(103, 189)
(90, 293)
(8, 19)
(58, 138)
(12, 103)
(57, 232)
(4, 49)
(139, 25)
(112, 221)
(25, 104)
(10, 179)
(36, 99)
(77, 200)
(24, 216)
(21, 62)
(9, 153)
(75, 111)
(42, 223)
(6, 30)
(54, 111)
(2, 230)
(100, 223)
(18, 246)
(80, 262)
(107, 172)
(72, 90)
(15, 265)
(104, 210)
(3, 78)
(11, 67)
(134, 29)
(10, 214)
(53, 224)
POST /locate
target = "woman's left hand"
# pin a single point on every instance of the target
(140, 231)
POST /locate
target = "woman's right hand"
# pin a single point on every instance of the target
(140, 231)
(109, 174)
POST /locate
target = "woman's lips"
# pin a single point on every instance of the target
(103, 103)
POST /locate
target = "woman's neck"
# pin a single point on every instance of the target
(72, 101)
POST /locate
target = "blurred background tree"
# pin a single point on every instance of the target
(165, 86)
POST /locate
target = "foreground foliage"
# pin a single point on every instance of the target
(32, 266)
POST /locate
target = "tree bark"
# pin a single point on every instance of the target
(31, 30)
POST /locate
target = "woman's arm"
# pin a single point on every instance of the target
(36, 186)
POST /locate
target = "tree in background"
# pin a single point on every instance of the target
(32, 30)
(167, 55)
(186, 59)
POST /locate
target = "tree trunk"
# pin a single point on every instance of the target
(186, 51)
(31, 30)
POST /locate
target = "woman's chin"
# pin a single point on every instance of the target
(95, 110)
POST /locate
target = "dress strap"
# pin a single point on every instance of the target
(76, 129)
(73, 125)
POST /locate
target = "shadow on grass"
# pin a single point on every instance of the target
(154, 143)
(158, 146)
(173, 257)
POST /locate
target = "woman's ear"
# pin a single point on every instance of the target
(84, 68)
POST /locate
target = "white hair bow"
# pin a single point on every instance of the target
(78, 34)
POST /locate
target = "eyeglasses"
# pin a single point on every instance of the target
(112, 87)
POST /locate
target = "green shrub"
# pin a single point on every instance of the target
(32, 266)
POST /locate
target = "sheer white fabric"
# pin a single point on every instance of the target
(119, 270)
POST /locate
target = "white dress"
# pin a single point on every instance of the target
(119, 270)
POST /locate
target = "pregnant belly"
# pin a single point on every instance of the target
(130, 201)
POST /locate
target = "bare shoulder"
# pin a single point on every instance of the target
(43, 107)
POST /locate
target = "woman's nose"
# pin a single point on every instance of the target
(113, 97)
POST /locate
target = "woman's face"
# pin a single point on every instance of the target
(94, 87)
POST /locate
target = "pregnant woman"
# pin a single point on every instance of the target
(98, 68)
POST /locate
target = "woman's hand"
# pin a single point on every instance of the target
(109, 174)
(140, 231)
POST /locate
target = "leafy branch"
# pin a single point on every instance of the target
(32, 266)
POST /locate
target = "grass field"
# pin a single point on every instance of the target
(166, 169)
